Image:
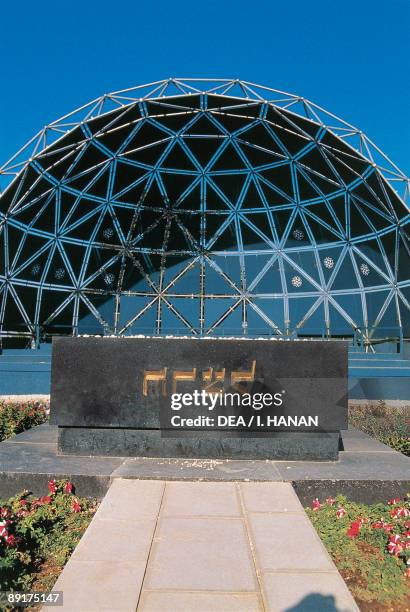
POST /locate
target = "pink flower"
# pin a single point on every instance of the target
(316, 505)
(52, 486)
(46, 499)
(340, 512)
(4, 512)
(76, 506)
(354, 529)
(23, 502)
(330, 501)
(393, 501)
(68, 488)
(394, 546)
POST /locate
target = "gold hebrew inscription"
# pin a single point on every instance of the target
(245, 376)
(181, 375)
(155, 376)
(211, 377)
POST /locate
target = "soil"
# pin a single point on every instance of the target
(355, 579)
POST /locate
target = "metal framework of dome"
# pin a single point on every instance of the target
(203, 207)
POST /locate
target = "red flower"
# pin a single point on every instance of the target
(397, 512)
(68, 488)
(394, 546)
(316, 505)
(354, 529)
(11, 541)
(393, 501)
(46, 499)
(340, 512)
(4, 512)
(52, 486)
(382, 525)
(330, 501)
(23, 502)
(75, 506)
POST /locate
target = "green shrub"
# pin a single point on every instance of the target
(37, 531)
(16, 417)
(389, 425)
(370, 546)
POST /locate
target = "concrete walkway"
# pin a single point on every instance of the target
(158, 546)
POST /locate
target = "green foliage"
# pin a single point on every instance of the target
(389, 425)
(19, 416)
(375, 572)
(37, 530)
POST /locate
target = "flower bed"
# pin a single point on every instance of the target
(16, 417)
(38, 535)
(370, 546)
(388, 425)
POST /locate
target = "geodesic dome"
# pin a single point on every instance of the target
(205, 208)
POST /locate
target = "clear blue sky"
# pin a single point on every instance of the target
(352, 57)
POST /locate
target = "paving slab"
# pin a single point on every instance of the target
(307, 592)
(184, 601)
(92, 586)
(263, 497)
(131, 499)
(192, 553)
(287, 541)
(201, 499)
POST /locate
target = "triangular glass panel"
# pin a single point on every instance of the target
(170, 323)
(273, 308)
(125, 175)
(87, 321)
(220, 237)
(271, 280)
(176, 185)
(298, 309)
(215, 282)
(352, 305)
(230, 184)
(252, 237)
(229, 159)
(257, 325)
(177, 158)
(203, 126)
(203, 148)
(252, 198)
(190, 201)
(346, 276)
(281, 178)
